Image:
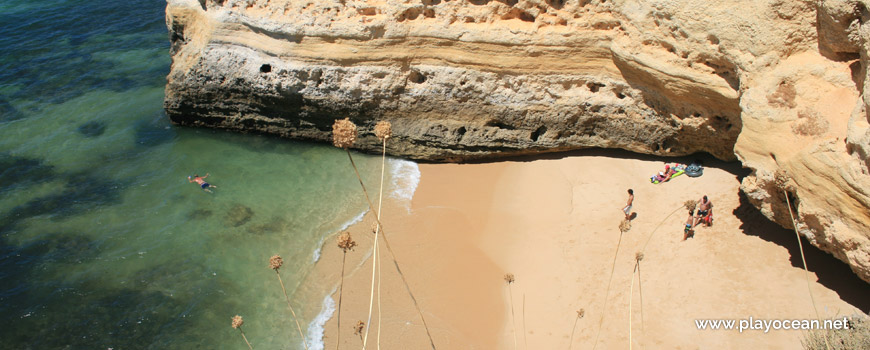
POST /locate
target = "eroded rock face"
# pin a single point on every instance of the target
(773, 83)
(806, 136)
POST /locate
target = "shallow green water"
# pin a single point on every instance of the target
(103, 242)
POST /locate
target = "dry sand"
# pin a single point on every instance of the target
(553, 223)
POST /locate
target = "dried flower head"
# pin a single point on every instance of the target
(383, 130)
(275, 262)
(237, 321)
(690, 205)
(624, 226)
(509, 278)
(343, 133)
(345, 242)
(360, 325)
(638, 256)
(581, 313)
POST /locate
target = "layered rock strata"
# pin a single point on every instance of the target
(773, 83)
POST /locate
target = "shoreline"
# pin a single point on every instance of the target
(552, 222)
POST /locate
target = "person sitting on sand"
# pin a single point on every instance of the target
(690, 222)
(201, 181)
(705, 208)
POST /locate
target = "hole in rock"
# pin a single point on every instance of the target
(416, 77)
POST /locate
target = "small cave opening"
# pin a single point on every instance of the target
(538, 132)
(461, 131)
(594, 87)
(556, 4)
(416, 77)
(498, 124)
(266, 68)
(794, 201)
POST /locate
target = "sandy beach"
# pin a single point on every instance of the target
(553, 222)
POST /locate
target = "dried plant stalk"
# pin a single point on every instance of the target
(638, 257)
(359, 328)
(690, 204)
(607, 292)
(275, 263)
(630, 300)
(383, 130)
(237, 321)
(383, 234)
(343, 133)
(237, 324)
(509, 278)
(345, 243)
(625, 226)
(580, 314)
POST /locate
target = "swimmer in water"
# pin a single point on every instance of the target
(201, 181)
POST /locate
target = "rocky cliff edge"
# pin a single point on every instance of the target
(776, 84)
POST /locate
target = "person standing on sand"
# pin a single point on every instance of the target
(690, 223)
(705, 206)
(627, 209)
(201, 181)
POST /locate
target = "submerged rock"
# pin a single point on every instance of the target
(199, 214)
(238, 215)
(92, 129)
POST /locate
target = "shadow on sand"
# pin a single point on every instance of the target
(831, 272)
(707, 160)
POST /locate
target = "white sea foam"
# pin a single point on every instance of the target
(405, 176)
(315, 329)
(317, 251)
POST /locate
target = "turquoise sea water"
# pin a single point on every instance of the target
(103, 242)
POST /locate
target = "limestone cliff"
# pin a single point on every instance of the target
(773, 83)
